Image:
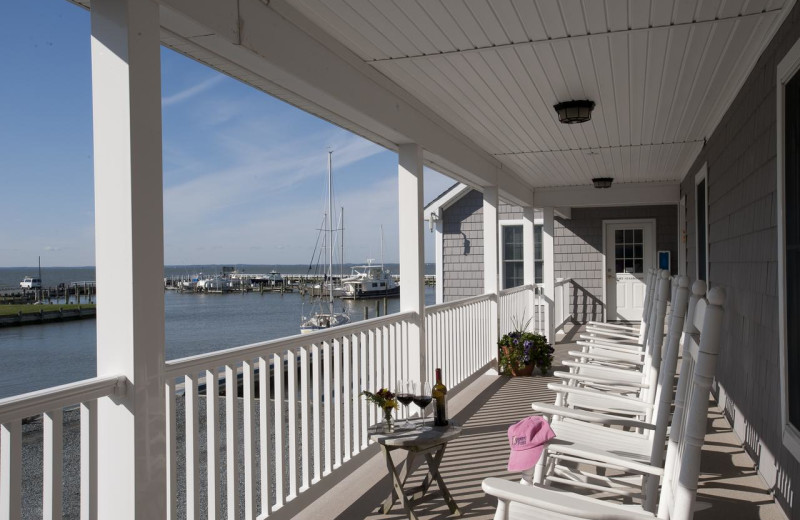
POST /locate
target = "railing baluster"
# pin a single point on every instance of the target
(337, 402)
(277, 377)
(248, 390)
(326, 387)
(356, 397)
(305, 480)
(212, 444)
(291, 409)
(346, 387)
(89, 456)
(373, 380)
(363, 386)
(264, 444)
(315, 393)
(53, 444)
(232, 438)
(192, 445)
(11, 470)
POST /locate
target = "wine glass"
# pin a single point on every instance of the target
(422, 398)
(405, 395)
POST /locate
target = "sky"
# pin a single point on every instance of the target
(244, 173)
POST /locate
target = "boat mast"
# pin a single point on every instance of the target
(330, 233)
(341, 239)
(381, 248)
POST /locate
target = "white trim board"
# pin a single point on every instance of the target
(700, 176)
(604, 269)
(787, 68)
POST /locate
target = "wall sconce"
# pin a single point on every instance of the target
(432, 221)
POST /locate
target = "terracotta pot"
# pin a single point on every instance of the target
(525, 371)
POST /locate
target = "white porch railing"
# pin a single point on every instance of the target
(458, 338)
(521, 305)
(562, 303)
(273, 433)
(50, 405)
(305, 422)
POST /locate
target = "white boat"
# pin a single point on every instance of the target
(369, 281)
(325, 319)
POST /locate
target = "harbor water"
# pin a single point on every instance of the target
(41, 356)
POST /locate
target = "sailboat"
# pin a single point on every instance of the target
(323, 319)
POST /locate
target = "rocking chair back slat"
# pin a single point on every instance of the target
(682, 466)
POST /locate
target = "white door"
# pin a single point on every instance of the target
(630, 251)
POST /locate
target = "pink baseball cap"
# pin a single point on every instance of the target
(527, 439)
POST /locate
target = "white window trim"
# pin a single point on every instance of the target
(683, 236)
(787, 68)
(517, 222)
(700, 176)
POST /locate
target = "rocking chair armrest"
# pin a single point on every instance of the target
(590, 417)
(600, 380)
(631, 402)
(594, 341)
(620, 372)
(604, 324)
(570, 504)
(626, 349)
(608, 357)
(594, 332)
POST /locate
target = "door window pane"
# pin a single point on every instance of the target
(629, 251)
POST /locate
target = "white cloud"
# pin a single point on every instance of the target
(190, 92)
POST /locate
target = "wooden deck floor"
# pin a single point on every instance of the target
(729, 486)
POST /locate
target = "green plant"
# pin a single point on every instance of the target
(520, 348)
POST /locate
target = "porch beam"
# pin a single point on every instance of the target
(628, 194)
(412, 261)
(129, 243)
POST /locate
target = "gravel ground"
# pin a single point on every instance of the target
(32, 461)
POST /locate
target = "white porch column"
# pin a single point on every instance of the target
(129, 242)
(528, 245)
(491, 260)
(412, 248)
(548, 274)
(439, 241)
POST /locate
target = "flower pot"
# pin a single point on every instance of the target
(525, 371)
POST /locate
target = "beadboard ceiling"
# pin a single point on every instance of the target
(661, 72)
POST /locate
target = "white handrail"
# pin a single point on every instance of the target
(457, 303)
(35, 403)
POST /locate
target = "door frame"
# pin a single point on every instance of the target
(604, 273)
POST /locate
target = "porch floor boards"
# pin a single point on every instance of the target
(729, 487)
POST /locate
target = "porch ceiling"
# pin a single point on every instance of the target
(662, 73)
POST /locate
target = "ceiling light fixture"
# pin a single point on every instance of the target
(602, 182)
(571, 112)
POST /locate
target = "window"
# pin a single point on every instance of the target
(513, 255)
(701, 218)
(629, 251)
(513, 263)
(788, 160)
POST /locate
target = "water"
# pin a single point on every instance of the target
(41, 356)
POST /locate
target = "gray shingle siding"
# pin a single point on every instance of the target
(742, 183)
(578, 248)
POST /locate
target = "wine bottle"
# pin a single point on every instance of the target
(439, 393)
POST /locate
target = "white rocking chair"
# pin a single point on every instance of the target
(681, 469)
